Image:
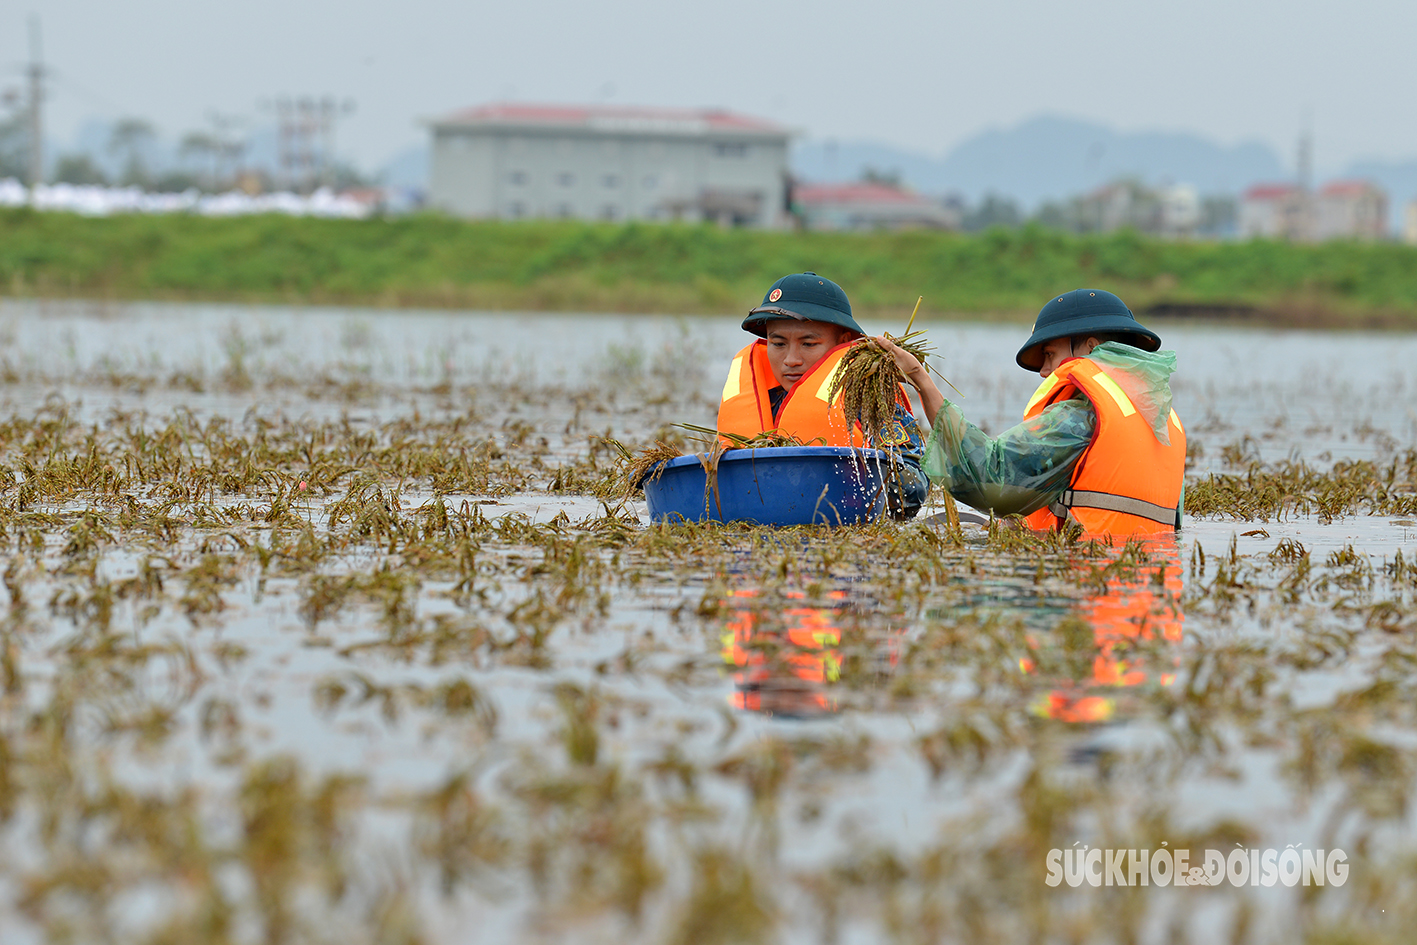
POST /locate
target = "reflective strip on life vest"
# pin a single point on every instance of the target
(1080, 498)
(1043, 391)
(1177, 420)
(735, 378)
(1110, 386)
(824, 388)
(804, 412)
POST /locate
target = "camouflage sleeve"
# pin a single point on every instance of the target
(1018, 472)
(902, 437)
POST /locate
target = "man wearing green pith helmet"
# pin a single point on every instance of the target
(1099, 445)
(781, 382)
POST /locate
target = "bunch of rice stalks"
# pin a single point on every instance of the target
(649, 464)
(871, 380)
(765, 440)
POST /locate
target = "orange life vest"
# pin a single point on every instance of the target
(746, 408)
(1127, 482)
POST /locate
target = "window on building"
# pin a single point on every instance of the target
(611, 181)
(516, 210)
(649, 182)
(517, 177)
(609, 212)
(566, 179)
(731, 149)
(565, 211)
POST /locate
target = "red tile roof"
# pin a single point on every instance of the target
(863, 192)
(1270, 192)
(1347, 188)
(680, 119)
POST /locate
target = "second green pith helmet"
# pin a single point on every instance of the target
(802, 295)
(1083, 312)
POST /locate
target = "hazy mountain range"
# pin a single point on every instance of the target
(1050, 158)
(1053, 158)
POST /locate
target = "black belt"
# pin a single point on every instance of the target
(1082, 499)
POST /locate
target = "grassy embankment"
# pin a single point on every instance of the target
(439, 262)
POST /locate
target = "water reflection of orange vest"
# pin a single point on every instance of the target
(784, 673)
(1127, 482)
(1126, 614)
(806, 413)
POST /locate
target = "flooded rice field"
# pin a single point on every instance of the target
(341, 626)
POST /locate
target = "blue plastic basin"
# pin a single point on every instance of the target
(788, 485)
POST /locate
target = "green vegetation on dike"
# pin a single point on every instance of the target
(430, 260)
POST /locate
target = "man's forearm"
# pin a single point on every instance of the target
(930, 397)
(1019, 471)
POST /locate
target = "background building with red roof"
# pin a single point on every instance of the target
(1350, 209)
(1275, 211)
(869, 205)
(1346, 209)
(520, 161)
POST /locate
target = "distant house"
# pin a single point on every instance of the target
(870, 205)
(1409, 229)
(1121, 203)
(1350, 209)
(1275, 211)
(516, 161)
(1180, 210)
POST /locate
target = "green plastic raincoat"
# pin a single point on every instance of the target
(1029, 465)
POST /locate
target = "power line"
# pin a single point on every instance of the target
(60, 77)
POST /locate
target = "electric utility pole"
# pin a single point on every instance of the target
(36, 104)
(1305, 160)
(1305, 229)
(306, 136)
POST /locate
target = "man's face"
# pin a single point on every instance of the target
(1058, 350)
(1055, 352)
(795, 347)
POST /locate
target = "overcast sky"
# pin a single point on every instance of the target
(923, 76)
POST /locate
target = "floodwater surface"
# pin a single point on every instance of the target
(337, 625)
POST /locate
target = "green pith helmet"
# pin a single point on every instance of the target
(1083, 312)
(803, 296)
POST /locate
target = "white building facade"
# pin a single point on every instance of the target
(1351, 209)
(1275, 211)
(513, 161)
